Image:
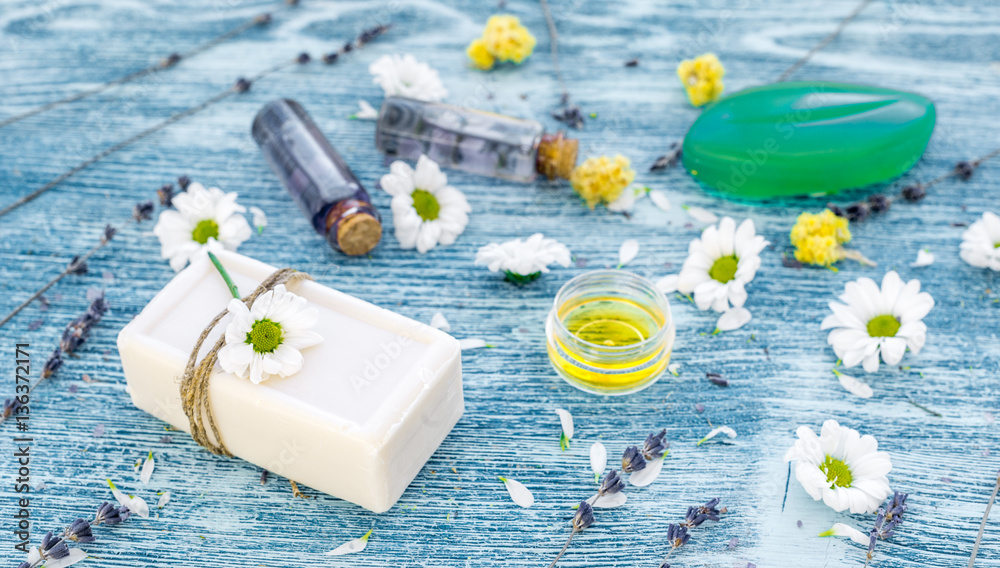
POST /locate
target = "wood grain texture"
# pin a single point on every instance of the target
(456, 513)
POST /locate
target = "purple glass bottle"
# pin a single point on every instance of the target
(472, 140)
(317, 177)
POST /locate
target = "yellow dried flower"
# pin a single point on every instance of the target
(818, 239)
(602, 179)
(480, 55)
(504, 39)
(702, 78)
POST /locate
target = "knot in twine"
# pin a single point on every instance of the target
(195, 397)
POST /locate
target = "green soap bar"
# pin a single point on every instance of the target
(807, 138)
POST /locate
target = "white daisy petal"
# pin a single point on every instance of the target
(523, 257)
(700, 214)
(853, 385)
(163, 500)
(365, 111)
(609, 501)
(471, 343)
(519, 494)
(924, 258)
(732, 319)
(715, 432)
(840, 529)
(648, 474)
(566, 421)
(668, 284)
(627, 252)
(351, 546)
(438, 321)
(660, 199)
(75, 555)
(259, 218)
(201, 218)
(598, 458)
(627, 200)
(405, 76)
(147, 469)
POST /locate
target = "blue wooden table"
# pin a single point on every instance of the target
(456, 513)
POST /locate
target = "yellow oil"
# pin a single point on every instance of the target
(609, 322)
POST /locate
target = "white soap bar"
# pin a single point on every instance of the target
(371, 404)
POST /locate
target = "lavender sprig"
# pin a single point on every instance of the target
(55, 547)
(887, 520)
(583, 518)
(982, 525)
(678, 534)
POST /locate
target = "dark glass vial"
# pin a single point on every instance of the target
(317, 178)
(476, 141)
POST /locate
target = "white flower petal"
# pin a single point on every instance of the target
(716, 431)
(700, 214)
(163, 500)
(75, 555)
(648, 474)
(438, 321)
(598, 458)
(840, 529)
(259, 218)
(610, 501)
(351, 546)
(853, 385)
(659, 199)
(733, 318)
(627, 200)
(566, 421)
(365, 111)
(523, 257)
(924, 258)
(405, 76)
(519, 494)
(138, 506)
(668, 284)
(628, 251)
(175, 228)
(147, 469)
(471, 343)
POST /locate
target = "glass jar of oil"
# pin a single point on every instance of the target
(610, 332)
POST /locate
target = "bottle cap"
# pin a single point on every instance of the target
(358, 233)
(556, 155)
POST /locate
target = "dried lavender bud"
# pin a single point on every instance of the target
(183, 182)
(707, 512)
(677, 536)
(331, 58)
(716, 379)
(143, 211)
(10, 406)
(292, 2)
(25, 565)
(964, 170)
(836, 210)
(611, 484)
(76, 266)
(570, 115)
(303, 58)
(52, 364)
(654, 445)
(584, 517)
(263, 19)
(242, 85)
(53, 547)
(347, 47)
(879, 203)
(632, 62)
(914, 192)
(263, 476)
(857, 212)
(79, 531)
(632, 460)
(667, 160)
(124, 513)
(166, 194)
(170, 60)
(109, 233)
(109, 514)
(370, 34)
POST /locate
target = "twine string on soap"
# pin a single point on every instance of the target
(195, 398)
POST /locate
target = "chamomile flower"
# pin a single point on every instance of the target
(841, 467)
(874, 322)
(523, 261)
(266, 340)
(426, 211)
(981, 242)
(203, 219)
(819, 239)
(503, 39)
(405, 76)
(720, 264)
(702, 78)
(602, 179)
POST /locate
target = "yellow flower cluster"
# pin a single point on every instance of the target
(602, 179)
(818, 238)
(702, 78)
(504, 39)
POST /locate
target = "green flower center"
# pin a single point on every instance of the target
(204, 230)
(426, 204)
(837, 472)
(883, 326)
(265, 336)
(724, 268)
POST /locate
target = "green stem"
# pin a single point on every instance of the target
(225, 276)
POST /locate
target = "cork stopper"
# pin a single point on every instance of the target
(358, 233)
(556, 155)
